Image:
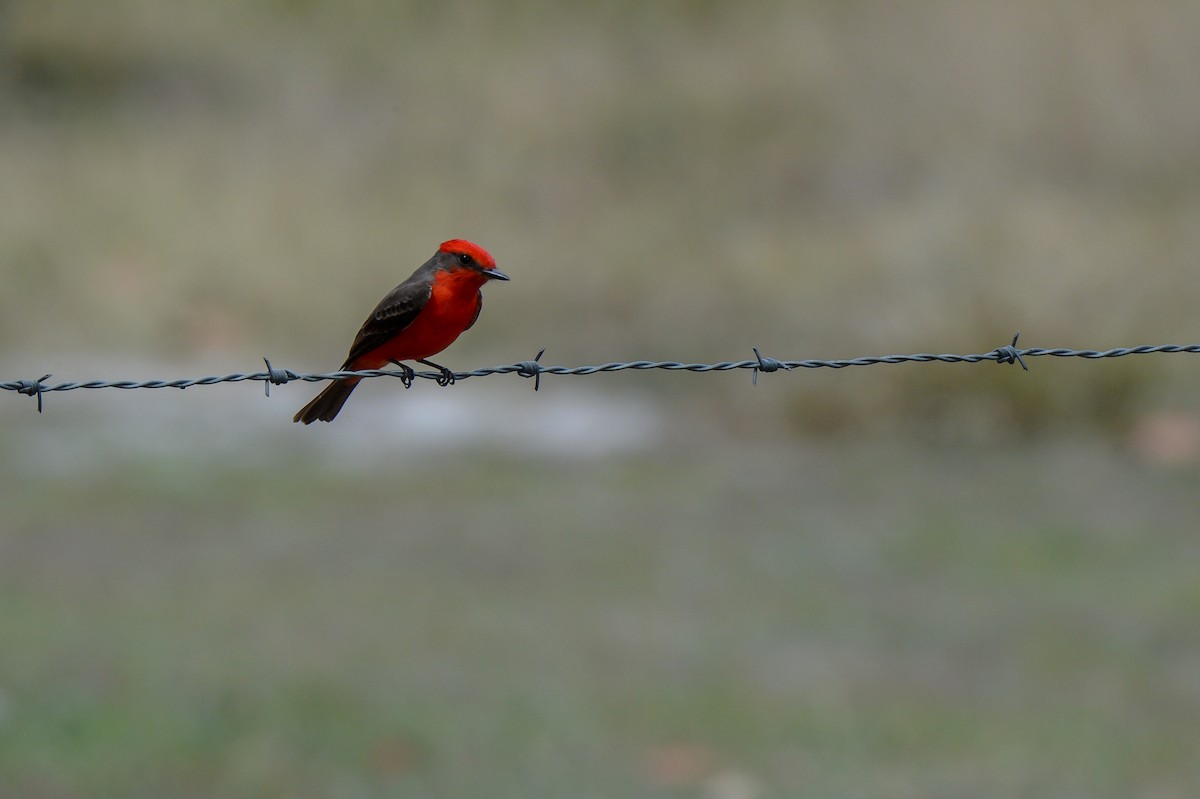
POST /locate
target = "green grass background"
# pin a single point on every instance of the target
(917, 580)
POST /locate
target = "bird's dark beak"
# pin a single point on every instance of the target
(495, 274)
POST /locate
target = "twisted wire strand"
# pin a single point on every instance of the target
(1007, 354)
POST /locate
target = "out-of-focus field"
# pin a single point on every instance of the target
(776, 621)
(911, 581)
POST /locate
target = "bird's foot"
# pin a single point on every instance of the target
(406, 374)
(446, 378)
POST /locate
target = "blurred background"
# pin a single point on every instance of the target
(908, 581)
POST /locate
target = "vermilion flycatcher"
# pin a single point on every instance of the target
(419, 318)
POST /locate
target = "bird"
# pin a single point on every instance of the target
(415, 321)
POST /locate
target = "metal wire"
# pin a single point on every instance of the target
(1007, 354)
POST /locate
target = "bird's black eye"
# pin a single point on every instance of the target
(464, 259)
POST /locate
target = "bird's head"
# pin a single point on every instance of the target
(462, 254)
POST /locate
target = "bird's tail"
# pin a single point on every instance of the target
(325, 406)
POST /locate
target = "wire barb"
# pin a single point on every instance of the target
(766, 365)
(532, 369)
(1010, 354)
(276, 376)
(33, 388)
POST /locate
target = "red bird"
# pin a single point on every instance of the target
(417, 319)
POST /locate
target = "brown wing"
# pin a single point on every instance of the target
(394, 312)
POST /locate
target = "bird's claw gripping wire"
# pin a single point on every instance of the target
(532, 369)
(34, 388)
(766, 365)
(407, 375)
(1010, 354)
(446, 378)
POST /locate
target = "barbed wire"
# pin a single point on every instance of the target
(1005, 354)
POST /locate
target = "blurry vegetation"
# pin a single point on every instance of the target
(825, 620)
(679, 180)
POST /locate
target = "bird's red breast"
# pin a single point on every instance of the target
(451, 308)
